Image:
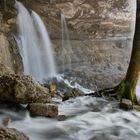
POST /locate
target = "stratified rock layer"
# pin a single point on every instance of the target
(86, 19)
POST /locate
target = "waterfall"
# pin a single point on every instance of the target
(46, 46)
(34, 45)
(66, 45)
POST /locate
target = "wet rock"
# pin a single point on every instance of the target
(126, 104)
(40, 109)
(52, 88)
(73, 93)
(6, 121)
(136, 107)
(105, 137)
(22, 89)
(11, 134)
(61, 117)
(95, 109)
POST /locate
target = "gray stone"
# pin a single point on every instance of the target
(72, 94)
(40, 109)
(6, 121)
(61, 117)
(105, 137)
(126, 104)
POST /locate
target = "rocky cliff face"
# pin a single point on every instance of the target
(100, 33)
(10, 60)
(86, 19)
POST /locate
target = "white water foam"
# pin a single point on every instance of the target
(87, 119)
(75, 85)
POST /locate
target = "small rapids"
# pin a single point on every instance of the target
(72, 83)
(87, 119)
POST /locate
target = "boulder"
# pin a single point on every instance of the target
(136, 107)
(61, 117)
(126, 104)
(11, 134)
(22, 89)
(40, 109)
(73, 93)
(6, 121)
(52, 87)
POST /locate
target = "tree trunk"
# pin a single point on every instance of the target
(127, 88)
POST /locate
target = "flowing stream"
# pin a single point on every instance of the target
(87, 119)
(34, 45)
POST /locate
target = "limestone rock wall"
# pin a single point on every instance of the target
(86, 19)
(100, 34)
(10, 60)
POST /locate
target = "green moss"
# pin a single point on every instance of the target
(126, 91)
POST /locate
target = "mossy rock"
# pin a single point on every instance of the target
(73, 93)
(22, 89)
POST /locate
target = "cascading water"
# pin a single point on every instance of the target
(66, 45)
(46, 46)
(34, 45)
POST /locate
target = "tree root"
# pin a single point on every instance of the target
(109, 92)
